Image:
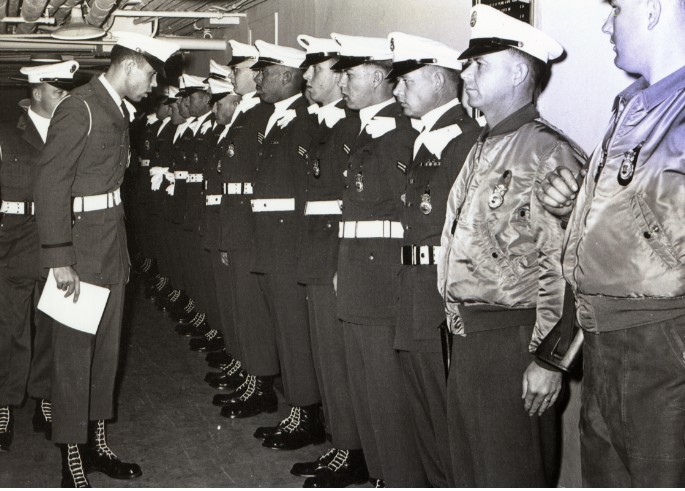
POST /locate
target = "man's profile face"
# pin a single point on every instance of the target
(50, 96)
(140, 80)
(488, 80)
(224, 108)
(198, 103)
(623, 25)
(357, 86)
(321, 81)
(414, 92)
(268, 83)
(244, 80)
(183, 107)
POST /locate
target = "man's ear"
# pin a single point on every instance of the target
(520, 73)
(129, 65)
(378, 77)
(286, 77)
(438, 80)
(654, 13)
(37, 94)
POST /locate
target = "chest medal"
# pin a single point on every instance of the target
(426, 207)
(627, 169)
(230, 151)
(500, 189)
(359, 181)
(316, 168)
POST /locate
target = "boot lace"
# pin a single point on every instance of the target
(198, 319)
(294, 422)
(146, 265)
(379, 483)
(161, 283)
(327, 455)
(189, 306)
(339, 460)
(4, 419)
(234, 367)
(101, 440)
(211, 334)
(251, 382)
(46, 409)
(76, 467)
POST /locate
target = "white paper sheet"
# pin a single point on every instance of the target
(83, 315)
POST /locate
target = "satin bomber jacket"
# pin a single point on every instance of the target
(499, 246)
(625, 247)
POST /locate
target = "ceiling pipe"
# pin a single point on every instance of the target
(45, 43)
(179, 15)
(65, 9)
(100, 10)
(31, 10)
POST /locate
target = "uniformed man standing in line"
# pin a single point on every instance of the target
(499, 269)
(257, 351)
(367, 276)
(624, 258)
(20, 273)
(80, 171)
(427, 89)
(278, 207)
(318, 261)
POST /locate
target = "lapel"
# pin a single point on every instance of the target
(299, 105)
(28, 131)
(453, 116)
(393, 110)
(107, 103)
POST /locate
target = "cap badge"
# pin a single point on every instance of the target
(498, 192)
(474, 17)
(72, 69)
(426, 207)
(392, 44)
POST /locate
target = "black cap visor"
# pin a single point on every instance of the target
(236, 60)
(402, 67)
(485, 46)
(316, 58)
(266, 61)
(345, 62)
(214, 98)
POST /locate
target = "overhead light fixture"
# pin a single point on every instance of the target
(46, 58)
(76, 28)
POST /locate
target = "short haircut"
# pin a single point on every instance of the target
(121, 54)
(452, 76)
(384, 65)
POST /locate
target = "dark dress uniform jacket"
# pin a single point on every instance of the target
(327, 160)
(368, 272)
(199, 153)
(182, 150)
(210, 227)
(86, 154)
(238, 165)
(21, 144)
(282, 173)
(421, 309)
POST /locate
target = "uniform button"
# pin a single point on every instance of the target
(411, 181)
(104, 146)
(347, 186)
(495, 255)
(408, 227)
(647, 235)
(409, 205)
(280, 220)
(371, 257)
(78, 217)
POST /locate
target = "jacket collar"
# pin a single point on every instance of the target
(512, 122)
(656, 93)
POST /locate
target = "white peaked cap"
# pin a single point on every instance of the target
(243, 55)
(54, 73)
(221, 87)
(170, 94)
(492, 31)
(218, 71)
(318, 49)
(355, 50)
(155, 51)
(272, 54)
(411, 52)
(189, 84)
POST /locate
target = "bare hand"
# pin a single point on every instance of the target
(67, 280)
(541, 388)
(558, 191)
(224, 258)
(335, 282)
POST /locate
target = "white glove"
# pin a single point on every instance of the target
(170, 189)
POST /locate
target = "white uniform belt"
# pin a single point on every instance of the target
(419, 255)
(17, 208)
(213, 199)
(144, 162)
(237, 188)
(372, 229)
(97, 202)
(194, 178)
(333, 207)
(180, 174)
(283, 204)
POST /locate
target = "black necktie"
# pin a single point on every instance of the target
(125, 111)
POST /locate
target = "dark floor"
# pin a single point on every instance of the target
(166, 422)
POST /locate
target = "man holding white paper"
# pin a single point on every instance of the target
(83, 238)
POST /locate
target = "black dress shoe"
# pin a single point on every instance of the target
(196, 328)
(346, 468)
(305, 428)
(73, 473)
(231, 378)
(376, 483)
(6, 428)
(310, 469)
(100, 458)
(259, 397)
(219, 357)
(264, 431)
(233, 396)
(212, 341)
(42, 418)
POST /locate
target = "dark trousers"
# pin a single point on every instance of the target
(257, 339)
(225, 299)
(380, 406)
(426, 387)
(328, 350)
(493, 441)
(287, 304)
(632, 422)
(40, 377)
(84, 372)
(16, 303)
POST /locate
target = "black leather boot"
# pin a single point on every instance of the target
(305, 428)
(196, 327)
(212, 341)
(258, 397)
(264, 431)
(73, 473)
(185, 312)
(232, 396)
(42, 418)
(346, 468)
(376, 483)
(310, 469)
(6, 428)
(97, 456)
(224, 367)
(218, 357)
(231, 378)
